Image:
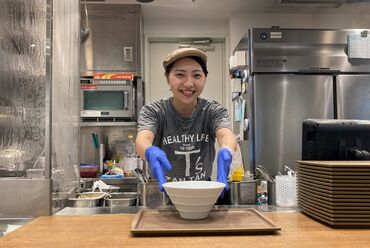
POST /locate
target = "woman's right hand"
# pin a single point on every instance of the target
(158, 162)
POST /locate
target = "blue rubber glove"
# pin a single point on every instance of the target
(224, 158)
(158, 162)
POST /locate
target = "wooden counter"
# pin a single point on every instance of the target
(101, 231)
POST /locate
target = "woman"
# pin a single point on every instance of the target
(176, 135)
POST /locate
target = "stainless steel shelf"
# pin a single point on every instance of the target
(108, 124)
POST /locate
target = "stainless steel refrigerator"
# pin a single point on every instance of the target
(300, 74)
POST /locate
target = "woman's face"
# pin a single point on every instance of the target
(186, 80)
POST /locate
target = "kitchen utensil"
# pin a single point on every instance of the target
(141, 175)
(95, 139)
(265, 173)
(101, 158)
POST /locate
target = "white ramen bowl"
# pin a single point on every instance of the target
(194, 199)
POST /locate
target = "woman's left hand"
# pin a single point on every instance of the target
(224, 158)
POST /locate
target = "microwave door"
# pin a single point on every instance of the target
(106, 102)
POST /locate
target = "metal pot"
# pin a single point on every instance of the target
(87, 199)
(122, 199)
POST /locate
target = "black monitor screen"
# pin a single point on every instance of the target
(332, 139)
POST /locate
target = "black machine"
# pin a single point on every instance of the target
(335, 139)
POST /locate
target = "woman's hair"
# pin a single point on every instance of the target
(197, 59)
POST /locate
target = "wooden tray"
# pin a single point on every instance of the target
(331, 183)
(330, 209)
(363, 201)
(336, 164)
(336, 170)
(339, 182)
(334, 223)
(338, 186)
(330, 193)
(302, 188)
(335, 190)
(330, 205)
(332, 176)
(336, 213)
(363, 221)
(341, 205)
(226, 221)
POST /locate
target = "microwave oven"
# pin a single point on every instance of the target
(107, 99)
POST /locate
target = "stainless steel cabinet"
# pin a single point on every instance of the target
(114, 40)
(353, 97)
(280, 103)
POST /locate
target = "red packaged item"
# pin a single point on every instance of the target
(88, 170)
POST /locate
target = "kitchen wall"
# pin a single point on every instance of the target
(185, 27)
(173, 28)
(237, 26)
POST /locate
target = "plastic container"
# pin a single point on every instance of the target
(129, 165)
(286, 191)
(88, 170)
(119, 151)
(130, 151)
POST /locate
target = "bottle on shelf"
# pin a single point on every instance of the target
(130, 162)
(130, 147)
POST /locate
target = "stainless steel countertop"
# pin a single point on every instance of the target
(135, 209)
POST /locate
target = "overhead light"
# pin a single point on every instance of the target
(310, 3)
(144, 1)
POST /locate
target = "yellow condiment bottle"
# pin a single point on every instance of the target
(238, 174)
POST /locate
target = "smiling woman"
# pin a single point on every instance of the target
(168, 127)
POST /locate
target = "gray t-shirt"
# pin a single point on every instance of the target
(187, 142)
